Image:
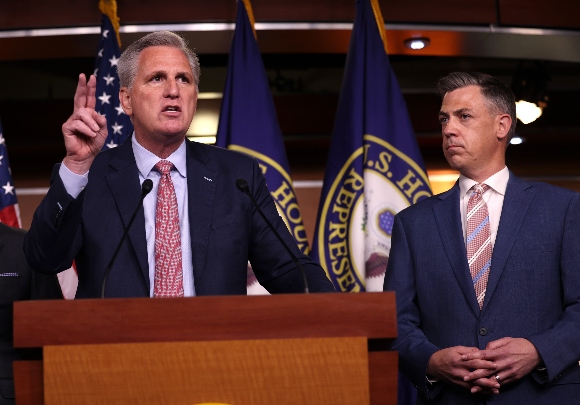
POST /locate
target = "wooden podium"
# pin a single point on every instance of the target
(280, 349)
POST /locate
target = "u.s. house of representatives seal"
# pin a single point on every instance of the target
(282, 192)
(375, 183)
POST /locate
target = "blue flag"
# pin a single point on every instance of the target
(119, 124)
(248, 122)
(374, 166)
(9, 212)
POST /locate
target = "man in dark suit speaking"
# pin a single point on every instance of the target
(487, 274)
(196, 230)
(18, 282)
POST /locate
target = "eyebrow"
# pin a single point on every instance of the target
(163, 72)
(184, 73)
(157, 73)
(456, 112)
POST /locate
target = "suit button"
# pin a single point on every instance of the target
(483, 331)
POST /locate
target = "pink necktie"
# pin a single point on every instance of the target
(478, 242)
(168, 269)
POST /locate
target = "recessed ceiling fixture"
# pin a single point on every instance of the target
(417, 43)
(517, 140)
(529, 87)
(528, 112)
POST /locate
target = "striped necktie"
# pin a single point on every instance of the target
(478, 242)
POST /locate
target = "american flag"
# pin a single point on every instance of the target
(9, 212)
(118, 123)
(10, 215)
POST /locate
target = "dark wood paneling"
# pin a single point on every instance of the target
(383, 386)
(540, 13)
(153, 11)
(28, 382)
(69, 46)
(44, 14)
(62, 13)
(440, 12)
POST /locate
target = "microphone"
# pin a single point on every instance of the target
(145, 189)
(242, 185)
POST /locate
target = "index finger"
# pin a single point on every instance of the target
(480, 370)
(477, 355)
(80, 100)
(91, 92)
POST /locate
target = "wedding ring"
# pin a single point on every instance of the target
(498, 379)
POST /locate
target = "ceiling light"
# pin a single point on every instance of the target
(417, 43)
(529, 87)
(517, 140)
(527, 112)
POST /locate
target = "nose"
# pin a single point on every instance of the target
(448, 128)
(171, 89)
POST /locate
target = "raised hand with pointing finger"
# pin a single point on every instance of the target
(85, 131)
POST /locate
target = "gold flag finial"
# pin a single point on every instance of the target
(250, 16)
(109, 8)
(380, 21)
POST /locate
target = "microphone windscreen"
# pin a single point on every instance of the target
(242, 185)
(147, 186)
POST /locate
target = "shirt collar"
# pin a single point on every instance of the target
(146, 160)
(498, 182)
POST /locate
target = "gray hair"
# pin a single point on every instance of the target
(129, 61)
(498, 96)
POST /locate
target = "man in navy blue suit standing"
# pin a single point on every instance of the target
(196, 230)
(18, 282)
(487, 274)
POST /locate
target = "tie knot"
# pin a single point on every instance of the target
(481, 188)
(164, 167)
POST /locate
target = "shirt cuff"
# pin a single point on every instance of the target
(73, 183)
(431, 380)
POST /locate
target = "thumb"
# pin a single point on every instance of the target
(496, 344)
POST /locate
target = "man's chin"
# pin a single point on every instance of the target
(174, 134)
(454, 161)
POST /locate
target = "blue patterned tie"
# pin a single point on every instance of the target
(478, 242)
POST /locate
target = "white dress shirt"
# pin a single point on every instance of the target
(492, 197)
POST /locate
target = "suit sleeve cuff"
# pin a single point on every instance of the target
(432, 386)
(540, 374)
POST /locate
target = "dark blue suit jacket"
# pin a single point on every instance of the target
(17, 283)
(226, 231)
(533, 290)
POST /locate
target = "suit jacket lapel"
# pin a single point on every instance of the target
(201, 189)
(123, 182)
(448, 219)
(515, 205)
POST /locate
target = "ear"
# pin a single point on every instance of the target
(125, 99)
(504, 124)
